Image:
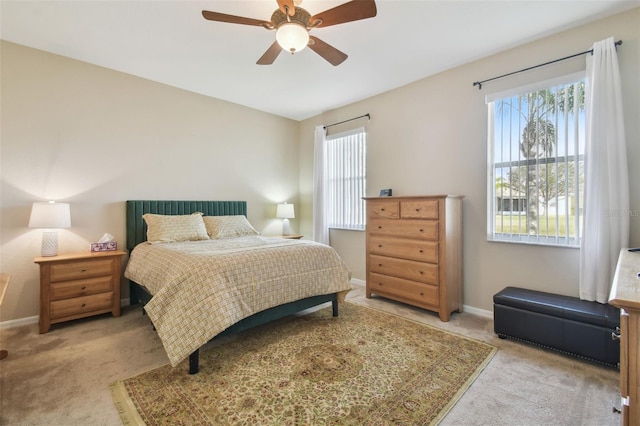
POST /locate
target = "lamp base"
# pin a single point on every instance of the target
(49, 243)
(286, 228)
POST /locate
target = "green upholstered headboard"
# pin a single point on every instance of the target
(137, 228)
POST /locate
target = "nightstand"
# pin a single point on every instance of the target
(78, 285)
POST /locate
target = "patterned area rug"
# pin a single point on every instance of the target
(362, 367)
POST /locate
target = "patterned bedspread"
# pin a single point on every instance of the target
(200, 288)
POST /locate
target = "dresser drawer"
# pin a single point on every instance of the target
(420, 250)
(419, 209)
(81, 305)
(81, 269)
(401, 268)
(417, 294)
(77, 288)
(423, 229)
(384, 209)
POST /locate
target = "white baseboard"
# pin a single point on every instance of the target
(18, 322)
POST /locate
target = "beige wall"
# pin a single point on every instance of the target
(94, 138)
(430, 138)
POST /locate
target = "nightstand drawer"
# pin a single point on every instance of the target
(81, 269)
(81, 305)
(78, 288)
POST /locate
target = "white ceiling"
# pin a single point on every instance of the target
(170, 42)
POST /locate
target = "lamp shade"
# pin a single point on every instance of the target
(50, 215)
(285, 211)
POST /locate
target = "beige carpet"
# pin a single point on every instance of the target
(63, 377)
(362, 367)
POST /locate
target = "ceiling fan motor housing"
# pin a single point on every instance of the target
(300, 17)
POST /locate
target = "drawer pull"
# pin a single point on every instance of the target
(421, 294)
(421, 230)
(421, 251)
(615, 335)
(379, 226)
(84, 287)
(83, 270)
(421, 272)
(382, 209)
(380, 264)
(417, 210)
(379, 245)
(84, 304)
(380, 284)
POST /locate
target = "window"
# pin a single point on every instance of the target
(346, 178)
(536, 163)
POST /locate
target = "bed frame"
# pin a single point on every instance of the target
(137, 233)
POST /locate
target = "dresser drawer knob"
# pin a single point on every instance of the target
(421, 294)
(421, 230)
(380, 284)
(421, 272)
(417, 210)
(83, 270)
(380, 264)
(379, 226)
(379, 245)
(421, 251)
(84, 304)
(84, 287)
(382, 209)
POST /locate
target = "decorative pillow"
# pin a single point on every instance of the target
(228, 226)
(171, 228)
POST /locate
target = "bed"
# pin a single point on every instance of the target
(195, 288)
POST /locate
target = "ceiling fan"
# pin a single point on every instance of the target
(293, 23)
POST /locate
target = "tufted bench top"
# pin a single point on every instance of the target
(560, 306)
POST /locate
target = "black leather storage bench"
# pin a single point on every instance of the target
(564, 323)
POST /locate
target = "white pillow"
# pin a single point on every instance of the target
(171, 228)
(228, 226)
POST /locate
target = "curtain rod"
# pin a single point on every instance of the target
(479, 83)
(351, 119)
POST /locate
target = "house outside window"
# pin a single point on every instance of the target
(536, 145)
(345, 169)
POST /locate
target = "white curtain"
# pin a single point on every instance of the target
(320, 229)
(606, 204)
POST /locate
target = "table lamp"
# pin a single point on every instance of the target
(285, 212)
(51, 216)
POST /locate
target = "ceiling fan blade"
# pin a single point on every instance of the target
(347, 12)
(289, 5)
(328, 52)
(270, 55)
(232, 19)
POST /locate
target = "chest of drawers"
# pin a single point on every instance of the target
(414, 251)
(78, 285)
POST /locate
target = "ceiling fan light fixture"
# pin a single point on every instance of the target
(292, 37)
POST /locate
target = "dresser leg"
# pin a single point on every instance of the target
(3, 354)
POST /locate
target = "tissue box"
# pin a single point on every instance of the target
(110, 246)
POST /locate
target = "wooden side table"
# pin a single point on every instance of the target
(4, 283)
(78, 285)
